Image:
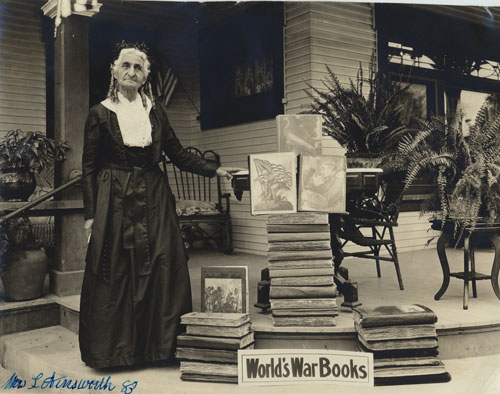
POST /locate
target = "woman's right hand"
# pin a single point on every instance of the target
(88, 227)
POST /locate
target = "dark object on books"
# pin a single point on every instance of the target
(215, 342)
(394, 315)
(263, 291)
(351, 295)
(198, 223)
(418, 379)
(411, 374)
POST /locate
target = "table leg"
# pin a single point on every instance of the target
(441, 250)
(466, 270)
(495, 239)
(473, 267)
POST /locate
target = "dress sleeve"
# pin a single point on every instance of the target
(183, 159)
(90, 164)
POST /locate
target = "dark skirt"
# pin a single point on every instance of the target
(128, 314)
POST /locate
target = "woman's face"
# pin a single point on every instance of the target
(129, 72)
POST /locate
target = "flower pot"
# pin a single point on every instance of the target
(363, 160)
(23, 274)
(16, 184)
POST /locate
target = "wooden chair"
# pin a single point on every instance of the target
(379, 213)
(203, 210)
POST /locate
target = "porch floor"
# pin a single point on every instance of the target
(56, 348)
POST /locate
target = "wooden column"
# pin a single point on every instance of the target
(71, 106)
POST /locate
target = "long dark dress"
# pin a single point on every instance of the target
(136, 282)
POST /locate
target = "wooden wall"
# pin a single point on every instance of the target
(22, 67)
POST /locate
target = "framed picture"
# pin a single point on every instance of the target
(224, 289)
(300, 134)
(273, 183)
(322, 183)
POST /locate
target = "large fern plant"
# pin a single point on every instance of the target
(466, 170)
(367, 116)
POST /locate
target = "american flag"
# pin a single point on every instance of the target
(282, 177)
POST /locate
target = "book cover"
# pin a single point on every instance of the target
(192, 377)
(231, 332)
(404, 353)
(300, 133)
(224, 289)
(399, 344)
(305, 312)
(215, 342)
(300, 255)
(405, 362)
(208, 368)
(291, 264)
(298, 218)
(305, 303)
(326, 280)
(393, 315)
(215, 319)
(303, 291)
(282, 273)
(210, 355)
(273, 183)
(322, 184)
(299, 245)
(410, 370)
(305, 321)
(413, 331)
(283, 237)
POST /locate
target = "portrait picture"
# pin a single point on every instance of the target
(273, 183)
(322, 183)
(224, 289)
(300, 134)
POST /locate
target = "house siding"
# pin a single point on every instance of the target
(22, 67)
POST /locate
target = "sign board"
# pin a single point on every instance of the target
(261, 367)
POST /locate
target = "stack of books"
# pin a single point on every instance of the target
(403, 341)
(209, 349)
(302, 291)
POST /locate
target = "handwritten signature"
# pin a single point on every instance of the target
(43, 382)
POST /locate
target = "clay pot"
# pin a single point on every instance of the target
(16, 184)
(24, 273)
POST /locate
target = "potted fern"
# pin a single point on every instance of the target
(367, 117)
(465, 170)
(22, 154)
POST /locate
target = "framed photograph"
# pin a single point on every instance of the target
(322, 183)
(300, 134)
(273, 183)
(224, 289)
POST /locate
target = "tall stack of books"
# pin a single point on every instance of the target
(403, 341)
(209, 349)
(302, 290)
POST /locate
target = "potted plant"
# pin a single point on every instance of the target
(368, 123)
(21, 155)
(23, 263)
(466, 170)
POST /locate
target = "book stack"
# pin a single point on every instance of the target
(209, 349)
(403, 341)
(302, 290)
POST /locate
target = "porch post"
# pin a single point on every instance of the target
(71, 106)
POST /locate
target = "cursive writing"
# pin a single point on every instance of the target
(43, 382)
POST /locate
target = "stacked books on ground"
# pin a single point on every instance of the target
(302, 290)
(208, 350)
(403, 341)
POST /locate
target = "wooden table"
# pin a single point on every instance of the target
(469, 273)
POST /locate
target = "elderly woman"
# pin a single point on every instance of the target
(136, 283)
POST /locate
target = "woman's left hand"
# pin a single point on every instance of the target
(228, 171)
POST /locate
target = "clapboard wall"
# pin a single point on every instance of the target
(22, 67)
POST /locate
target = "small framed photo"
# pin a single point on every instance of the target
(322, 184)
(273, 183)
(224, 289)
(300, 134)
